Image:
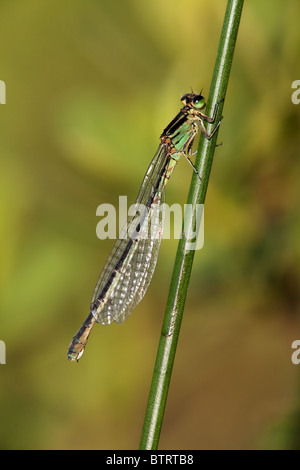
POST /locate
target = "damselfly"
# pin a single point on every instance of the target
(130, 266)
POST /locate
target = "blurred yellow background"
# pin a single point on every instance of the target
(89, 88)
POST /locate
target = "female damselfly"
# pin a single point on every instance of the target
(130, 266)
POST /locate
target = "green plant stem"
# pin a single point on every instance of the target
(184, 257)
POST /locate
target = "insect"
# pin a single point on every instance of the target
(130, 266)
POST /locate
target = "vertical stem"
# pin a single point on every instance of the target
(184, 257)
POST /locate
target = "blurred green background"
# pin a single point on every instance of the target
(89, 88)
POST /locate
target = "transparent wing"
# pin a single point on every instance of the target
(131, 263)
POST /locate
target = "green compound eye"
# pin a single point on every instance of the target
(198, 102)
